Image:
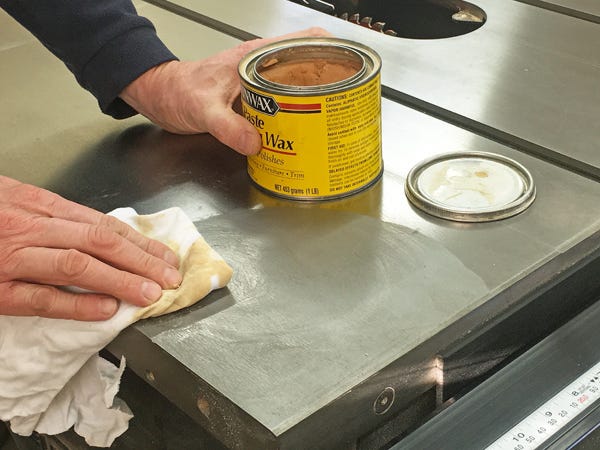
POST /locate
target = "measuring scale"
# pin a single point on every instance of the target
(552, 416)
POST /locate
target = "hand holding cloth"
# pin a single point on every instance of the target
(51, 376)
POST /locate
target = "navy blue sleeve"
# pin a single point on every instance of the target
(105, 43)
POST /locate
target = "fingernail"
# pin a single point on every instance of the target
(172, 278)
(108, 307)
(171, 258)
(151, 291)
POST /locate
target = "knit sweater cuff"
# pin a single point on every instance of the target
(118, 63)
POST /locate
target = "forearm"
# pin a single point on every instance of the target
(105, 44)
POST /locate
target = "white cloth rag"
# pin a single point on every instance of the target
(51, 376)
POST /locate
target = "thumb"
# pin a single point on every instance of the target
(234, 131)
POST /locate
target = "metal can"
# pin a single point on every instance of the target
(317, 104)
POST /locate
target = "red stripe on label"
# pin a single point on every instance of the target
(298, 111)
(299, 106)
(278, 151)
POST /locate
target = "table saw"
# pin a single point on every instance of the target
(362, 322)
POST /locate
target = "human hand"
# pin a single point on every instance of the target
(47, 241)
(197, 97)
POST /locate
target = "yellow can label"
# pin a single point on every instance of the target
(316, 146)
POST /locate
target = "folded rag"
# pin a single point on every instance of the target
(51, 376)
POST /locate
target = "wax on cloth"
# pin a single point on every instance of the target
(51, 376)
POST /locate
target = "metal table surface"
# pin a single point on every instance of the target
(325, 296)
(528, 77)
(584, 9)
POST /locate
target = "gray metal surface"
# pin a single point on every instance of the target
(584, 9)
(353, 286)
(528, 77)
(316, 296)
(516, 391)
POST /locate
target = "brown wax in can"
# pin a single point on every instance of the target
(309, 72)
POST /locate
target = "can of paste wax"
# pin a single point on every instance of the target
(317, 105)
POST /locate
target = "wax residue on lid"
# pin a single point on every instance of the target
(470, 184)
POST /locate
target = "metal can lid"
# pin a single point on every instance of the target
(287, 60)
(251, 64)
(470, 186)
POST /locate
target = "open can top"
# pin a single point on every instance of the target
(470, 187)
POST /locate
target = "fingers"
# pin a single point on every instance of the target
(25, 299)
(90, 216)
(151, 246)
(233, 130)
(108, 246)
(308, 32)
(49, 204)
(74, 268)
(48, 241)
(6, 182)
